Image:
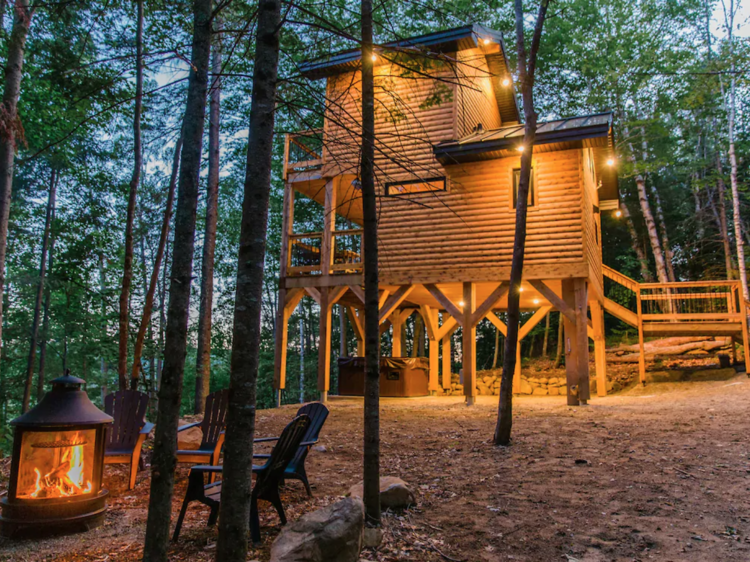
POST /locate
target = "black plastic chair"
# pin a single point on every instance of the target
(268, 478)
(296, 469)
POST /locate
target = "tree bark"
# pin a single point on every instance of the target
(371, 461)
(39, 292)
(148, 305)
(175, 348)
(10, 125)
(497, 348)
(636, 244)
(45, 322)
(560, 341)
(721, 211)
(127, 270)
(203, 360)
(526, 71)
(238, 448)
(546, 336)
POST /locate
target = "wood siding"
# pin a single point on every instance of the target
(591, 230)
(475, 97)
(472, 226)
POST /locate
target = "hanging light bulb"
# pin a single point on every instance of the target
(520, 148)
(374, 57)
(461, 303)
(618, 213)
(611, 162)
(506, 82)
(536, 301)
(487, 41)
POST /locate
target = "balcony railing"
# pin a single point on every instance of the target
(303, 151)
(307, 253)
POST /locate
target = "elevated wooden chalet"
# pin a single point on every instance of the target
(448, 142)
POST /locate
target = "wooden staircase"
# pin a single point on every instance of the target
(690, 308)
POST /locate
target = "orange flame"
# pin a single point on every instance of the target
(66, 479)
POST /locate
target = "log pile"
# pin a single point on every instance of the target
(670, 347)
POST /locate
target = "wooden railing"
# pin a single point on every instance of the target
(306, 253)
(303, 151)
(688, 301)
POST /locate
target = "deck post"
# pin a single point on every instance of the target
(282, 314)
(447, 361)
(324, 345)
(396, 340)
(469, 351)
(600, 355)
(581, 310)
(641, 346)
(431, 323)
(571, 344)
(329, 220)
(745, 339)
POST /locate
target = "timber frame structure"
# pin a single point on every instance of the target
(447, 154)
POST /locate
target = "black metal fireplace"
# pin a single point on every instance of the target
(56, 468)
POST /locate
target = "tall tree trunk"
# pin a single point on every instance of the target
(10, 125)
(45, 322)
(546, 336)
(203, 360)
(148, 305)
(417, 349)
(301, 360)
(175, 348)
(238, 448)
(526, 71)
(560, 341)
(39, 292)
(721, 212)
(343, 347)
(127, 270)
(371, 461)
(636, 244)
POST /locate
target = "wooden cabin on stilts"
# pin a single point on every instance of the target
(448, 143)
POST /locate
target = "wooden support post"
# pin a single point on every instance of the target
(641, 347)
(396, 343)
(469, 351)
(431, 320)
(447, 362)
(570, 343)
(324, 345)
(329, 226)
(282, 314)
(581, 309)
(745, 339)
(356, 322)
(600, 354)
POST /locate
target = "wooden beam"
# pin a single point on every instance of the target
(449, 326)
(581, 310)
(384, 327)
(335, 293)
(531, 323)
(499, 324)
(396, 339)
(280, 344)
(600, 357)
(446, 303)
(489, 303)
(430, 321)
(329, 220)
(394, 300)
(324, 346)
(359, 292)
(293, 296)
(570, 345)
(383, 296)
(554, 300)
(447, 361)
(356, 322)
(314, 293)
(405, 313)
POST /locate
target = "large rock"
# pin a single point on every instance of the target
(394, 493)
(331, 534)
(525, 386)
(189, 439)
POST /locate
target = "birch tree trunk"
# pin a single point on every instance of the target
(238, 448)
(526, 71)
(127, 270)
(371, 461)
(721, 216)
(636, 244)
(163, 461)
(10, 125)
(39, 292)
(203, 355)
(148, 305)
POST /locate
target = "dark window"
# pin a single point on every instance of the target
(415, 186)
(532, 188)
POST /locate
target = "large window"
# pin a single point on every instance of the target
(532, 201)
(415, 186)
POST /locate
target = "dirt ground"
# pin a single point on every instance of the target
(655, 473)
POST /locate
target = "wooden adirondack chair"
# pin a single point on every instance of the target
(212, 426)
(317, 413)
(268, 478)
(128, 431)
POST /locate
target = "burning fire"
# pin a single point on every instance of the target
(65, 479)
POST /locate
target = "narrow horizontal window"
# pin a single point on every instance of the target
(532, 188)
(415, 186)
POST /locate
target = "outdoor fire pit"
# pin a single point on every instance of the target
(56, 468)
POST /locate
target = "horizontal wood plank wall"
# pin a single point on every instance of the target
(472, 226)
(475, 98)
(592, 242)
(412, 113)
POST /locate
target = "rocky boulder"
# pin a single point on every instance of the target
(331, 534)
(394, 493)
